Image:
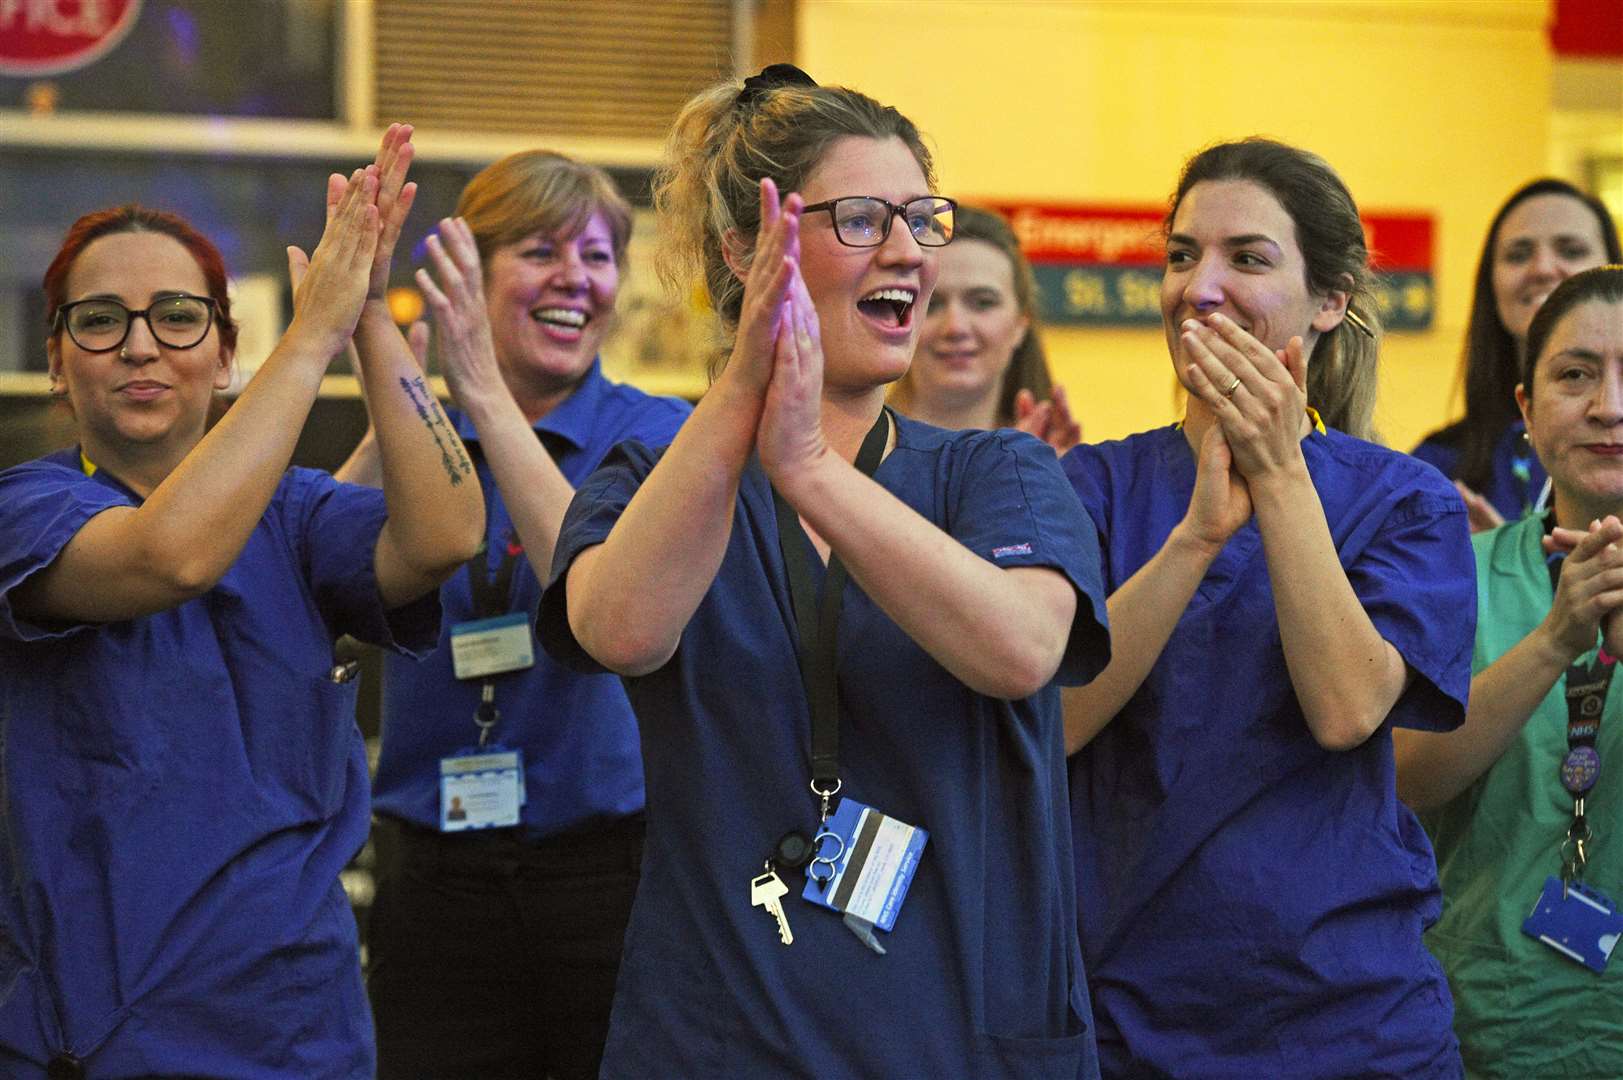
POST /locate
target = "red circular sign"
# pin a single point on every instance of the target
(49, 37)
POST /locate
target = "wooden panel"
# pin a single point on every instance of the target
(552, 67)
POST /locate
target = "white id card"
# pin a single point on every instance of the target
(491, 646)
(481, 791)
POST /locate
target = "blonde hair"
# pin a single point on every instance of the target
(538, 191)
(708, 188)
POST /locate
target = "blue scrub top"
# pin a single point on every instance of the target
(983, 976)
(1251, 903)
(1518, 477)
(181, 792)
(579, 739)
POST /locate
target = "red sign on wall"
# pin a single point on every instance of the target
(50, 37)
(1100, 265)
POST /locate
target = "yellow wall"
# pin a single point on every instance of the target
(1427, 105)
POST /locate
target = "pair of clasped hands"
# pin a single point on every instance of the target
(777, 357)
(1257, 437)
(1589, 596)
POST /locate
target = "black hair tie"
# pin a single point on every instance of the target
(771, 78)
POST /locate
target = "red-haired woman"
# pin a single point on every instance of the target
(183, 776)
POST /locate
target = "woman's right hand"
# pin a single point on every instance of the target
(766, 290)
(456, 295)
(332, 283)
(1590, 591)
(1221, 501)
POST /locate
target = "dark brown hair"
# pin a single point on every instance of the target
(1603, 283)
(1491, 364)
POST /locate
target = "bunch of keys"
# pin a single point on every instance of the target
(768, 890)
(794, 851)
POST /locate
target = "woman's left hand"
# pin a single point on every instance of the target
(1257, 394)
(790, 435)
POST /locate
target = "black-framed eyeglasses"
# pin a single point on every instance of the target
(101, 325)
(864, 220)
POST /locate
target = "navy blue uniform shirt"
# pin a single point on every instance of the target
(181, 791)
(577, 733)
(1251, 903)
(983, 976)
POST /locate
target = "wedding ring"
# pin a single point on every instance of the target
(1228, 391)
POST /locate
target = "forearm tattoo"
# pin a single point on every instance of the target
(452, 456)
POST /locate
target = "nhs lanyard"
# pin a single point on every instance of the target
(1585, 687)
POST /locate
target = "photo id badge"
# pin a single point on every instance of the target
(877, 858)
(491, 646)
(1578, 922)
(481, 790)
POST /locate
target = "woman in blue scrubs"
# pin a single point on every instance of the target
(494, 939)
(183, 774)
(1508, 796)
(970, 588)
(1252, 893)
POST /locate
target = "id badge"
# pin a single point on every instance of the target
(877, 858)
(481, 790)
(491, 646)
(1580, 923)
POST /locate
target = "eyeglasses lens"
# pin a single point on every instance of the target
(861, 222)
(864, 222)
(178, 322)
(930, 221)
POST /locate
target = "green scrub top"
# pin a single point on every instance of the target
(1520, 1009)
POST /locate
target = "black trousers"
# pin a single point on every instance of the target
(492, 956)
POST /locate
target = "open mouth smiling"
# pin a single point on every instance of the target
(563, 318)
(892, 306)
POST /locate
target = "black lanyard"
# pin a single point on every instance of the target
(817, 622)
(1585, 687)
(492, 596)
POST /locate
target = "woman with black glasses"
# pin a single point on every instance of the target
(840, 630)
(183, 778)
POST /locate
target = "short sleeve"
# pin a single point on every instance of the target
(1417, 581)
(43, 505)
(1012, 506)
(597, 505)
(338, 526)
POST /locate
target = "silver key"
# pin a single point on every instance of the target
(766, 891)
